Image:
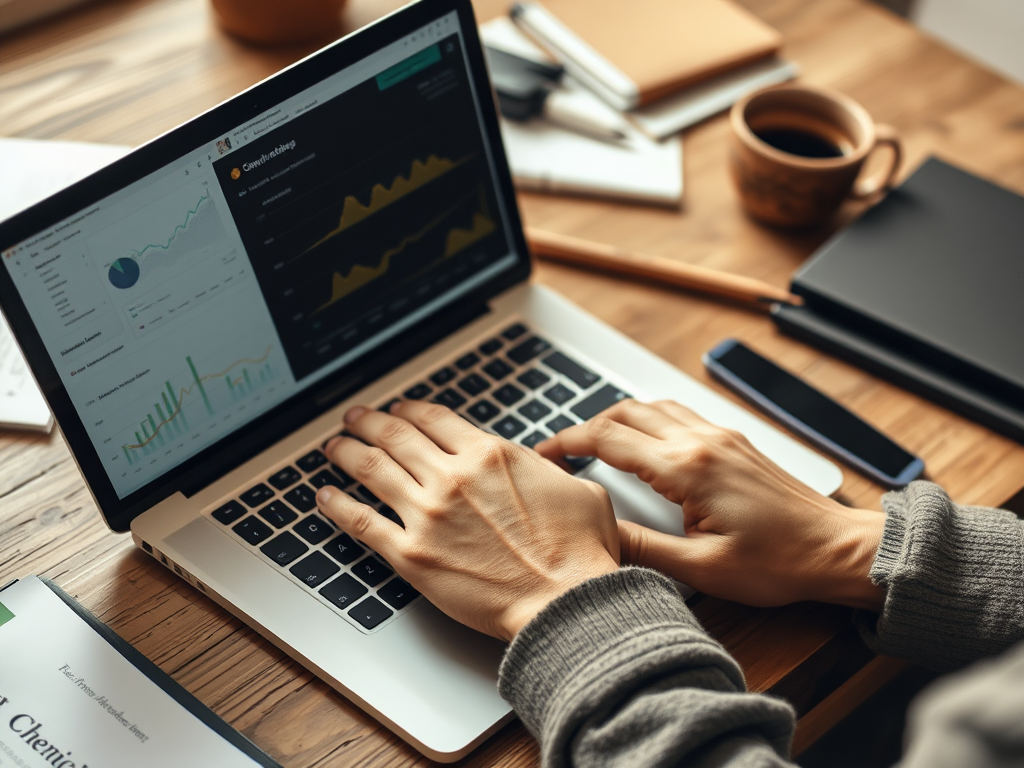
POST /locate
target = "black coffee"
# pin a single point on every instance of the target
(797, 142)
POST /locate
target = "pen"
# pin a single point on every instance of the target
(573, 250)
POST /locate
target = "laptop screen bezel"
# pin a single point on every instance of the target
(247, 441)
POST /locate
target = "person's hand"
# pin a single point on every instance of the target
(493, 532)
(754, 534)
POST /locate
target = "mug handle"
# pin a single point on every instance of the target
(867, 189)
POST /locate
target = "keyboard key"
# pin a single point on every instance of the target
(528, 350)
(559, 394)
(533, 438)
(467, 361)
(533, 379)
(302, 497)
(228, 513)
(344, 591)
(576, 463)
(253, 531)
(278, 514)
(514, 331)
(257, 495)
(284, 549)
(483, 411)
(534, 410)
(605, 397)
(450, 398)
(314, 529)
(492, 346)
(390, 514)
(418, 392)
(498, 369)
(508, 394)
(286, 478)
(314, 570)
(367, 494)
(582, 377)
(343, 548)
(559, 423)
(508, 427)
(474, 384)
(371, 613)
(443, 376)
(326, 477)
(311, 461)
(371, 570)
(397, 593)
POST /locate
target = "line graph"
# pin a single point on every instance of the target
(169, 406)
(421, 173)
(158, 235)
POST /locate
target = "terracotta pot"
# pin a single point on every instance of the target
(278, 22)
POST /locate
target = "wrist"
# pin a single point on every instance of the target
(851, 557)
(525, 609)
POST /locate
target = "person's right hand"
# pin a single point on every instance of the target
(754, 534)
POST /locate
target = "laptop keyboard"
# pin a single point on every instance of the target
(516, 385)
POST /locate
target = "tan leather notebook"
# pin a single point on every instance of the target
(637, 51)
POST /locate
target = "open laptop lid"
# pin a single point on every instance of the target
(221, 285)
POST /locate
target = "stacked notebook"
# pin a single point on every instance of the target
(669, 63)
(925, 289)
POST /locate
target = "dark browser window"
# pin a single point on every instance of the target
(367, 206)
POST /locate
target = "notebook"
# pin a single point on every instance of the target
(635, 53)
(545, 157)
(925, 288)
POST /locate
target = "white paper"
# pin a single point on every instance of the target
(31, 171)
(63, 684)
(548, 158)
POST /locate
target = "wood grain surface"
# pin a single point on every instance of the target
(124, 71)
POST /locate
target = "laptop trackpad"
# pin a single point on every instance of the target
(635, 500)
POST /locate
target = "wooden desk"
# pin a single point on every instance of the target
(123, 71)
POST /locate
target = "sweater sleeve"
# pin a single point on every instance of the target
(954, 580)
(617, 672)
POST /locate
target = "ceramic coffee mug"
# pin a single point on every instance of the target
(797, 154)
(276, 22)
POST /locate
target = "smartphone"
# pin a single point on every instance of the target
(812, 414)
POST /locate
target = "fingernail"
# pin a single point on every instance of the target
(354, 413)
(395, 406)
(332, 444)
(323, 495)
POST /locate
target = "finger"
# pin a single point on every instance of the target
(373, 467)
(679, 413)
(616, 444)
(448, 430)
(410, 448)
(643, 418)
(360, 521)
(682, 558)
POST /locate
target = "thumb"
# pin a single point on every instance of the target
(677, 556)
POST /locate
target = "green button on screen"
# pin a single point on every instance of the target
(5, 614)
(409, 67)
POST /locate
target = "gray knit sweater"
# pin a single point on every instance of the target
(617, 672)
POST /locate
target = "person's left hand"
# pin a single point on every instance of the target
(493, 532)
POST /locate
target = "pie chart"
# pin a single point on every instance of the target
(123, 273)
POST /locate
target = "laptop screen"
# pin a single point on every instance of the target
(181, 307)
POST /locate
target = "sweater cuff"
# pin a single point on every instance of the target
(954, 580)
(605, 629)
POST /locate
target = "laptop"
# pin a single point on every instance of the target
(200, 314)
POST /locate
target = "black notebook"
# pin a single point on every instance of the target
(927, 289)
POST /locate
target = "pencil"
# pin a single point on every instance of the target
(573, 250)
